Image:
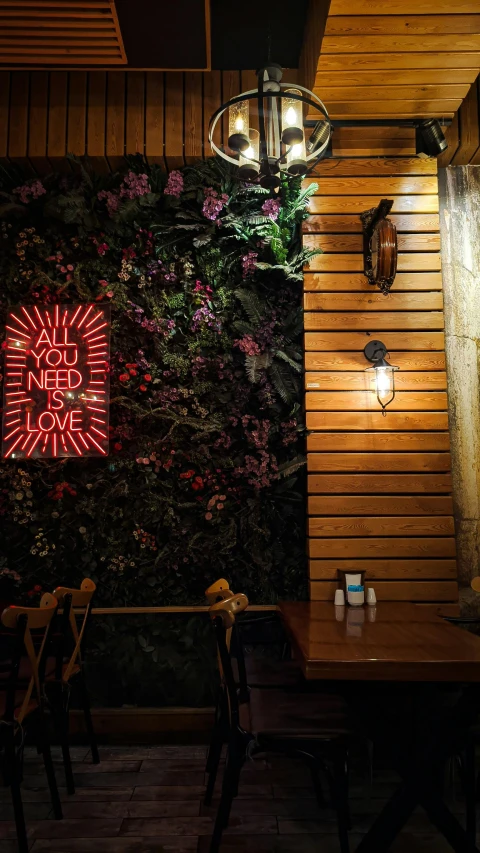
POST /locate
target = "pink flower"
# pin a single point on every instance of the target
(134, 185)
(271, 208)
(30, 190)
(208, 516)
(174, 184)
(249, 263)
(248, 345)
(213, 204)
(112, 200)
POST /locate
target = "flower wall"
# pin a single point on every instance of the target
(204, 478)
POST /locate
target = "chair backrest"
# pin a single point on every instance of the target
(218, 591)
(76, 603)
(24, 620)
(223, 614)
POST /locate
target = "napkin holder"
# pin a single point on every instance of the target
(350, 578)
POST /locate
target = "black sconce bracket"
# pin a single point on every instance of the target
(374, 351)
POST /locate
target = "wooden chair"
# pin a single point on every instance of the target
(65, 671)
(304, 725)
(22, 699)
(271, 673)
(248, 673)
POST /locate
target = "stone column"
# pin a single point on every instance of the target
(460, 234)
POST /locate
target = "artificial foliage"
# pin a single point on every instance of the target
(204, 478)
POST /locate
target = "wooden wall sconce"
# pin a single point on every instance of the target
(379, 245)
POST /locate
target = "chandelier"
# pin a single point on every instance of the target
(278, 146)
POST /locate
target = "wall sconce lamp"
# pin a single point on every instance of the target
(375, 352)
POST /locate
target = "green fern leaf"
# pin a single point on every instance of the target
(252, 305)
(255, 365)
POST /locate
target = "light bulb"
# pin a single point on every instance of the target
(248, 159)
(297, 150)
(238, 125)
(383, 382)
(291, 117)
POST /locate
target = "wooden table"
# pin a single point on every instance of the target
(412, 645)
(389, 642)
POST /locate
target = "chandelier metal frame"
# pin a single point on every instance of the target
(269, 95)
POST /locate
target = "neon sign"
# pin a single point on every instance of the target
(56, 387)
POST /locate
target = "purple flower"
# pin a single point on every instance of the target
(271, 208)
(31, 190)
(174, 184)
(204, 316)
(249, 263)
(112, 200)
(134, 185)
(213, 204)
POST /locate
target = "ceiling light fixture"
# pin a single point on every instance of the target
(279, 145)
(430, 141)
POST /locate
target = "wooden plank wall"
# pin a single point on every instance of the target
(108, 114)
(379, 487)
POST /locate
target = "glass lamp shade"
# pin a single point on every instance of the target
(384, 374)
(248, 161)
(292, 118)
(238, 118)
(297, 159)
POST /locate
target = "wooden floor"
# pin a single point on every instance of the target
(149, 800)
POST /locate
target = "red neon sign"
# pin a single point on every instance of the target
(56, 389)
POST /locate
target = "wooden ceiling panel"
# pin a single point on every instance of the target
(399, 61)
(60, 32)
(404, 77)
(398, 58)
(406, 25)
(402, 7)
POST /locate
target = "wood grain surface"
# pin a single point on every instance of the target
(379, 487)
(394, 641)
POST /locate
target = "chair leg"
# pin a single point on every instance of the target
(58, 700)
(213, 760)
(340, 785)
(317, 785)
(85, 703)
(63, 726)
(12, 762)
(48, 763)
(229, 787)
(470, 791)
